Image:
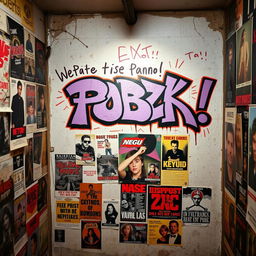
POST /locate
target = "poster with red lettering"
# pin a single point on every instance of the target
(32, 198)
(18, 128)
(139, 158)
(4, 72)
(133, 202)
(68, 175)
(164, 202)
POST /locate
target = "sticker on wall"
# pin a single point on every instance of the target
(133, 202)
(85, 149)
(90, 201)
(59, 235)
(196, 205)
(174, 160)
(164, 202)
(139, 158)
(135, 233)
(68, 176)
(107, 157)
(165, 232)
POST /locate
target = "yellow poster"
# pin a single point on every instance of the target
(23, 9)
(174, 160)
(67, 211)
(165, 232)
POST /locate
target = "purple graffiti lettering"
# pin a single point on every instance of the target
(155, 90)
(141, 101)
(110, 110)
(175, 87)
(135, 107)
(82, 93)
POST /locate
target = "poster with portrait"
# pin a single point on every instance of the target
(68, 213)
(90, 201)
(29, 156)
(29, 43)
(4, 72)
(229, 225)
(6, 207)
(174, 160)
(251, 192)
(110, 213)
(253, 88)
(42, 193)
(41, 106)
(241, 227)
(90, 234)
(164, 202)
(243, 64)
(32, 198)
(230, 150)
(165, 232)
(196, 205)
(18, 173)
(238, 13)
(20, 221)
(133, 202)
(17, 49)
(43, 232)
(37, 151)
(4, 133)
(143, 152)
(68, 175)
(107, 157)
(30, 109)
(40, 76)
(85, 149)
(18, 128)
(231, 70)
(135, 233)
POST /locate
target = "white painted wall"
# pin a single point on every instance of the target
(172, 36)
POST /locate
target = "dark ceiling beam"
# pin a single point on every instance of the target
(129, 12)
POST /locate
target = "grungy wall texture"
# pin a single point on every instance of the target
(188, 45)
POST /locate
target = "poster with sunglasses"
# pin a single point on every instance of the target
(107, 157)
(85, 149)
(139, 158)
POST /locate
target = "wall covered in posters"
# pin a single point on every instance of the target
(113, 89)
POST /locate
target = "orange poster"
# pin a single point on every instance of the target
(90, 201)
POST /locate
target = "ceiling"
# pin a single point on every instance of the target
(107, 6)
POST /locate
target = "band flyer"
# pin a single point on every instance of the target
(196, 205)
(135, 233)
(107, 157)
(165, 232)
(85, 149)
(110, 213)
(68, 176)
(90, 201)
(4, 73)
(174, 160)
(67, 211)
(139, 158)
(133, 202)
(32, 198)
(164, 202)
(91, 234)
